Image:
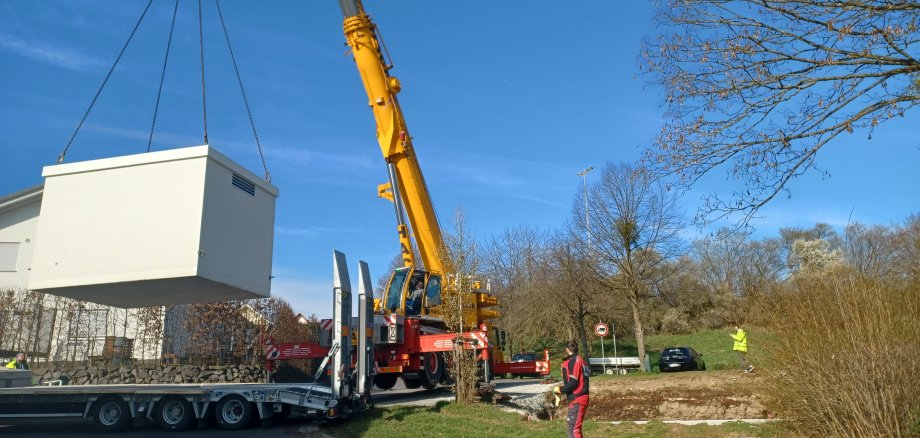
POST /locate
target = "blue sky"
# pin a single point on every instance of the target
(506, 102)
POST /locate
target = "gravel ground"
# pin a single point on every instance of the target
(528, 397)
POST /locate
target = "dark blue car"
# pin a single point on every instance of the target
(680, 359)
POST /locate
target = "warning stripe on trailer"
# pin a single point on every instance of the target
(325, 324)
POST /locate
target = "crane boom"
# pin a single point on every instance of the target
(407, 187)
(413, 290)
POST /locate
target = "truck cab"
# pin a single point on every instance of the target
(410, 292)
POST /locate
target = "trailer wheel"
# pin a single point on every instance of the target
(234, 412)
(432, 370)
(385, 381)
(174, 413)
(112, 414)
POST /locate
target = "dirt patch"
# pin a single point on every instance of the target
(679, 396)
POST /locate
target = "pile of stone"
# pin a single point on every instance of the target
(113, 374)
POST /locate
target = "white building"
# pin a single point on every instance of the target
(18, 222)
(56, 328)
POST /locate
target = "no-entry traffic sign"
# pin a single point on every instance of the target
(601, 329)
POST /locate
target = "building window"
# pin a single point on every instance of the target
(9, 253)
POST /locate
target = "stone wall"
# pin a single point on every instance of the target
(111, 374)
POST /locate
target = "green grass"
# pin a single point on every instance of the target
(715, 345)
(481, 420)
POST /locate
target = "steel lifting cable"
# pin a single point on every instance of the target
(108, 75)
(156, 107)
(204, 101)
(239, 80)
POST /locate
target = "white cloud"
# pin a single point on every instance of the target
(539, 200)
(159, 139)
(50, 53)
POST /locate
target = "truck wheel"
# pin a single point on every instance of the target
(432, 370)
(411, 383)
(385, 381)
(174, 413)
(234, 412)
(112, 414)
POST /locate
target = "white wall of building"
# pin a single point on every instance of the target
(18, 223)
(61, 328)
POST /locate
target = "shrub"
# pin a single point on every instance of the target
(674, 322)
(843, 356)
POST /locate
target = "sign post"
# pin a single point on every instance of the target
(616, 358)
(601, 330)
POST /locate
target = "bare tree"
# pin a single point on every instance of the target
(907, 248)
(730, 262)
(634, 230)
(574, 291)
(514, 262)
(762, 85)
(462, 265)
(870, 250)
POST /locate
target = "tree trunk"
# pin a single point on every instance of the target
(583, 334)
(637, 325)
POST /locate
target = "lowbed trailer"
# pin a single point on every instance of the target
(173, 407)
(233, 406)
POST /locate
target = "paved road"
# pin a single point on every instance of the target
(290, 428)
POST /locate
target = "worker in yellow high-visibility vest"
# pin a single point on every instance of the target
(19, 363)
(741, 348)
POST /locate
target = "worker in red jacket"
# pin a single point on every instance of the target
(575, 374)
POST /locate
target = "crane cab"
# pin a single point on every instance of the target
(411, 292)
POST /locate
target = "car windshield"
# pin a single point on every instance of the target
(674, 352)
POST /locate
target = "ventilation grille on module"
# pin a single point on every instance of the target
(244, 184)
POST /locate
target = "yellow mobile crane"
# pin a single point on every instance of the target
(406, 187)
(410, 337)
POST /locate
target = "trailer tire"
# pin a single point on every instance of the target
(234, 412)
(432, 370)
(112, 414)
(174, 413)
(385, 381)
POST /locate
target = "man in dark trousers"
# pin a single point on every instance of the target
(575, 374)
